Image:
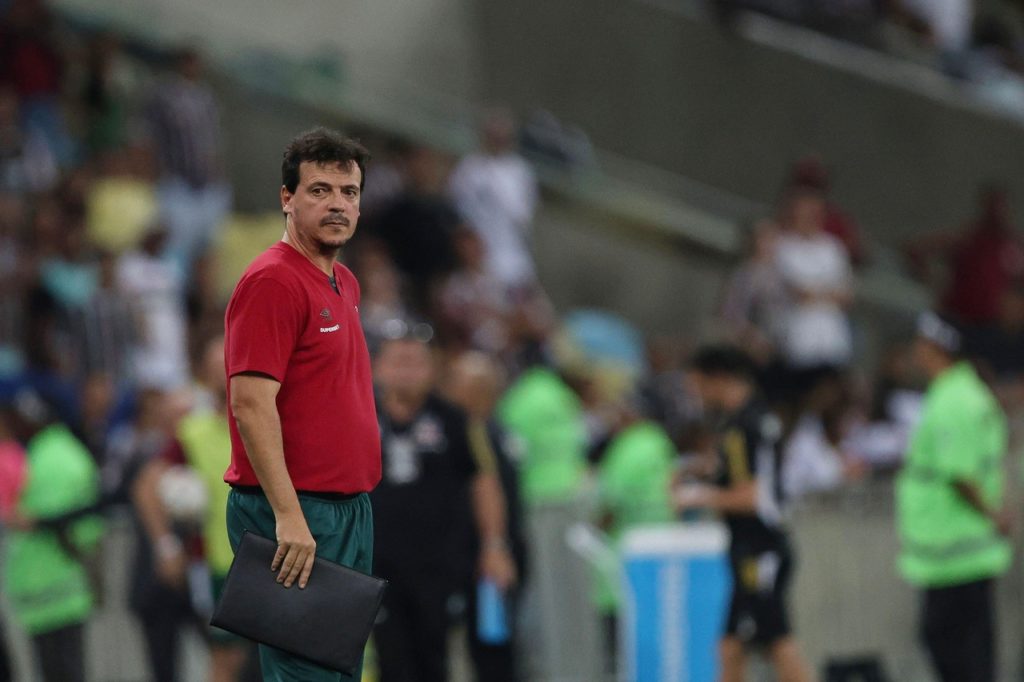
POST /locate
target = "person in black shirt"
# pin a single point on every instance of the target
(433, 475)
(474, 383)
(747, 491)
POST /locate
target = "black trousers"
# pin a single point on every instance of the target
(958, 629)
(411, 634)
(61, 654)
(6, 667)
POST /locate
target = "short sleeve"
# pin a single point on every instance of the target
(263, 327)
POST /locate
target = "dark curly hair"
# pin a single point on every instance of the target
(322, 146)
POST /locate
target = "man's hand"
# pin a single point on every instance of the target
(18, 521)
(496, 564)
(296, 550)
(1004, 521)
(171, 561)
(692, 496)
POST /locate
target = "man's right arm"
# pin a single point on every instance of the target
(254, 406)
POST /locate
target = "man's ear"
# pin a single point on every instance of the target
(286, 200)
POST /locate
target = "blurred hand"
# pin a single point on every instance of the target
(171, 563)
(692, 496)
(1004, 521)
(18, 521)
(497, 565)
(296, 550)
(172, 570)
(855, 469)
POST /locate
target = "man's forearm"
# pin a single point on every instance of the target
(260, 429)
(489, 509)
(972, 496)
(740, 499)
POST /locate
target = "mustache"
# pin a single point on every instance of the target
(335, 218)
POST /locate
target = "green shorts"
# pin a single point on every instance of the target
(343, 531)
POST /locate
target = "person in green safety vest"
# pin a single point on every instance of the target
(202, 443)
(52, 537)
(634, 480)
(546, 416)
(952, 525)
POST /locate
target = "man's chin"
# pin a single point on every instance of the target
(329, 247)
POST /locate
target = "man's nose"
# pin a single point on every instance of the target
(337, 202)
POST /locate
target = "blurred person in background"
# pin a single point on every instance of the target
(474, 383)
(496, 193)
(947, 26)
(983, 259)
(881, 428)
(32, 62)
(184, 122)
(15, 277)
(202, 444)
(949, 495)
(440, 481)
(70, 272)
(158, 599)
(385, 180)
(634, 478)
(546, 415)
(106, 327)
(749, 494)
(996, 349)
(419, 226)
(46, 368)
(811, 173)
(664, 392)
(48, 573)
(103, 406)
(813, 458)
(816, 272)
(106, 94)
(27, 163)
(755, 297)
(474, 311)
(381, 302)
(156, 290)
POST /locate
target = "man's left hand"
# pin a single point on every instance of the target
(496, 564)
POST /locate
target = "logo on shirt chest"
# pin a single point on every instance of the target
(326, 316)
(428, 434)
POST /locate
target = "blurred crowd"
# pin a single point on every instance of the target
(980, 42)
(112, 192)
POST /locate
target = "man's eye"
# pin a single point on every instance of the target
(318, 192)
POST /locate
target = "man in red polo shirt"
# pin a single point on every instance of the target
(305, 445)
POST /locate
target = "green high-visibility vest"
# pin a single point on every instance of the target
(546, 418)
(962, 436)
(47, 587)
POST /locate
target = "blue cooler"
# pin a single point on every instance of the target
(676, 594)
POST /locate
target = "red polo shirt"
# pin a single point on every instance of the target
(286, 321)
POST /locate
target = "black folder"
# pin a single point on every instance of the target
(327, 622)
